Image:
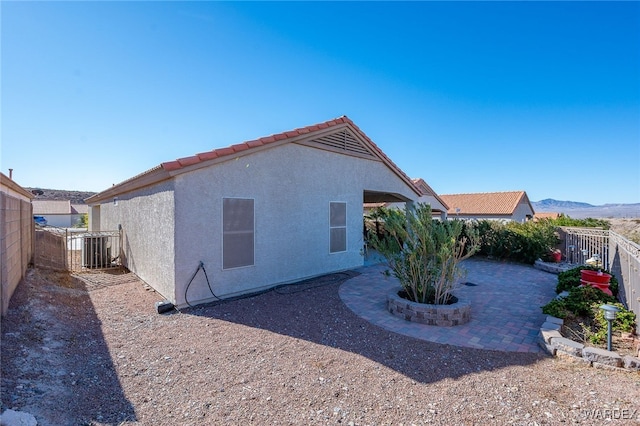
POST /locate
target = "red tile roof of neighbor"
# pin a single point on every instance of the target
(485, 203)
(181, 163)
(546, 215)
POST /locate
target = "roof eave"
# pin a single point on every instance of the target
(150, 177)
(11, 184)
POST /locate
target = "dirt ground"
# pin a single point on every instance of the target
(628, 228)
(91, 350)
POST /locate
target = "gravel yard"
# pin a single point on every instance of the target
(93, 351)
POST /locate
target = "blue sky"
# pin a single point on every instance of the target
(472, 97)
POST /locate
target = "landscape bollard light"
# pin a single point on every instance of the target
(571, 250)
(585, 253)
(609, 314)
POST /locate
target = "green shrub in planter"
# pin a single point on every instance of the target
(579, 302)
(625, 322)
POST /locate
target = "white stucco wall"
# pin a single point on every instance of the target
(521, 212)
(147, 220)
(292, 186)
(59, 220)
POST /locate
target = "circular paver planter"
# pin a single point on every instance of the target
(442, 315)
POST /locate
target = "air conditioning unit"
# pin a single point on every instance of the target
(96, 252)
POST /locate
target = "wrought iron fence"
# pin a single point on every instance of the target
(586, 245)
(611, 251)
(77, 249)
(624, 263)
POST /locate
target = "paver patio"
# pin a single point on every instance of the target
(505, 305)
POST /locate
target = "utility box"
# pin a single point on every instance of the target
(96, 252)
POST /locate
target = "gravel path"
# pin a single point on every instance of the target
(93, 351)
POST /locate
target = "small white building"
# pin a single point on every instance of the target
(269, 211)
(506, 206)
(60, 213)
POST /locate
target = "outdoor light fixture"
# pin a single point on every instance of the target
(585, 253)
(610, 312)
(571, 250)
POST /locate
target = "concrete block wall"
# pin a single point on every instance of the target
(16, 243)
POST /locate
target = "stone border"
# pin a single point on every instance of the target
(554, 268)
(556, 345)
(440, 315)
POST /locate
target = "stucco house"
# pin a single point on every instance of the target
(60, 213)
(506, 206)
(254, 215)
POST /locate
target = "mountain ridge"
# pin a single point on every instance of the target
(575, 209)
(579, 210)
(76, 197)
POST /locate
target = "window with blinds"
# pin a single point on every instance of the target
(237, 232)
(337, 227)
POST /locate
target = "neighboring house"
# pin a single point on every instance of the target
(60, 213)
(509, 206)
(16, 237)
(546, 215)
(269, 211)
(427, 196)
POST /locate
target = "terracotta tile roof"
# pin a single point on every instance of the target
(484, 203)
(176, 165)
(263, 141)
(546, 215)
(51, 206)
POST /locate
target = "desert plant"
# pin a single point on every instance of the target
(83, 222)
(580, 223)
(425, 253)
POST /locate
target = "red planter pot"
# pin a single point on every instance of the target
(595, 276)
(599, 280)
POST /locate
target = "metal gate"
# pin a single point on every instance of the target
(76, 249)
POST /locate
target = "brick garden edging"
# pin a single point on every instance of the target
(552, 342)
(555, 344)
(441, 315)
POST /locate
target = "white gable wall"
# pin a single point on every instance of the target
(521, 212)
(292, 186)
(147, 220)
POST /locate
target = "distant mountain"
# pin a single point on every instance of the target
(579, 210)
(76, 197)
(549, 204)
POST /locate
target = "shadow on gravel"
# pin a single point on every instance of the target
(313, 311)
(55, 361)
